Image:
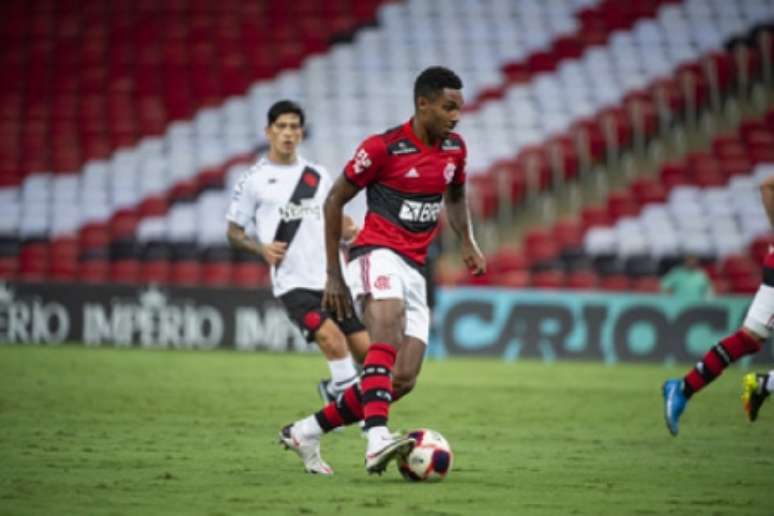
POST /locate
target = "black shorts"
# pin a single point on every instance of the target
(304, 308)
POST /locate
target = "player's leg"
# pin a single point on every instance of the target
(334, 346)
(746, 340)
(358, 343)
(417, 332)
(385, 319)
(378, 298)
(304, 308)
(407, 367)
(756, 387)
(348, 408)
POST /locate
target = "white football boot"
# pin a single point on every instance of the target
(308, 448)
(384, 447)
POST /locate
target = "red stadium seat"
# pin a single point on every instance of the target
(582, 280)
(34, 261)
(250, 275)
(568, 233)
(155, 271)
(674, 173)
(647, 191)
(548, 279)
(186, 272)
(216, 274)
(505, 260)
(616, 283)
(648, 284)
(9, 266)
(93, 271)
(484, 198)
(512, 279)
(759, 247)
(595, 216)
(94, 236)
(126, 271)
(622, 204)
(738, 266)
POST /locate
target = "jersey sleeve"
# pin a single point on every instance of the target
(364, 168)
(460, 172)
(244, 201)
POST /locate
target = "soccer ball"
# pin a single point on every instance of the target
(431, 459)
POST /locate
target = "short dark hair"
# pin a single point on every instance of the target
(433, 80)
(284, 107)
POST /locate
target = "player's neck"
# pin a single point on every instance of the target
(422, 134)
(279, 158)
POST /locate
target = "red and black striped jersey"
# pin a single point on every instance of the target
(405, 181)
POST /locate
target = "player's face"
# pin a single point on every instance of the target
(443, 112)
(285, 134)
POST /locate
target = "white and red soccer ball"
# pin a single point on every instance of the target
(430, 460)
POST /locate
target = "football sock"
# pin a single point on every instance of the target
(721, 355)
(376, 384)
(769, 386)
(345, 410)
(343, 374)
(309, 427)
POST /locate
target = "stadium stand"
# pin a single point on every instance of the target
(115, 175)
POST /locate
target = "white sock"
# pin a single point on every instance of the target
(343, 374)
(376, 437)
(309, 427)
(770, 382)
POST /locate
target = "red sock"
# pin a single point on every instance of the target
(344, 411)
(723, 354)
(376, 384)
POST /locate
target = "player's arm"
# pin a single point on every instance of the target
(336, 297)
(458, 215)
(241, 211)
(238, 238)
(767, 195)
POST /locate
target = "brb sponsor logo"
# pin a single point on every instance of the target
(292, 211)
(30, 319)
(417, 211)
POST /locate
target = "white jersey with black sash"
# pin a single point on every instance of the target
(286, 203)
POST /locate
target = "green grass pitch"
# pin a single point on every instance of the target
(108, 431)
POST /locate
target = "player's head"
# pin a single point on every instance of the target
(438, 100)
(284, 129)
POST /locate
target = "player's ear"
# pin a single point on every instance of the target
(267, 132)
(422, 103)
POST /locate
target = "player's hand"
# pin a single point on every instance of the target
(349, 229)
(473, 258)
(274, 252)
(336, 297)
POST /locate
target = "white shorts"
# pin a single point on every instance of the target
(383, 274)
(760, 315)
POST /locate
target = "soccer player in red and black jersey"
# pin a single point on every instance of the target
(749, 339)
(409, 173)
